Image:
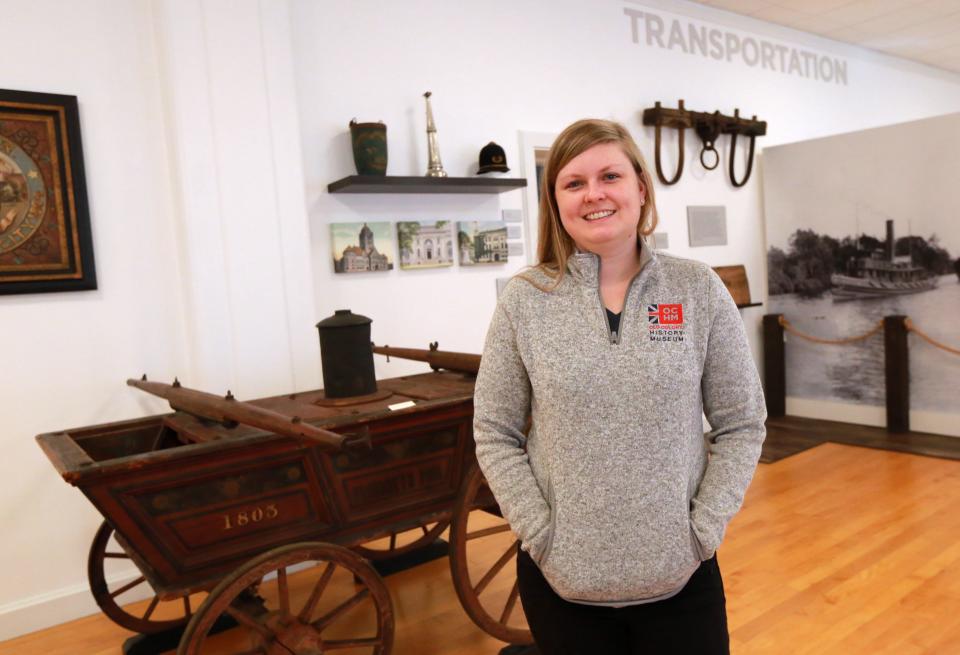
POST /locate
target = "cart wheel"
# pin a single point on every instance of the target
(402, 542)
(156, 617)
(482, 545)
(338, 602)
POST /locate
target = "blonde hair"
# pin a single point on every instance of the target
(556, 246)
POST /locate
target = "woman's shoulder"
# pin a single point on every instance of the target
(526, 292)
(529, 283)
(683, 268)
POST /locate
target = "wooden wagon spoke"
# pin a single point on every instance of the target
(424, 528)
(151, 607)
(340, 609)
(283, 591)
(186, 606)
(318, 590)
(511, 602)
(467, 546)
(486, 532)
(495, 569)
(128, 586)
(393, 540)
(276, 632)
(337, 644)
(128, 617)
(249, 621)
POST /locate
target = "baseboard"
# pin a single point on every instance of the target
(70, 603)
(834, 411)
(55, 607)
(920, 421)
(935, 423)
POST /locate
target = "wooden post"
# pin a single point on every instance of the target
(774, 368)
(897, 373)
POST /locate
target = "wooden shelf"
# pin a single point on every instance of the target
(398, 184)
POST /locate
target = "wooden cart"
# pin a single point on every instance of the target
(279, 532)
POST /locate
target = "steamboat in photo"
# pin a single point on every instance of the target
(882, 274)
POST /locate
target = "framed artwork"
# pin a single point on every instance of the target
(45, 239)
(425, 244)
(707, 225)
(361, 247)
(482, 242)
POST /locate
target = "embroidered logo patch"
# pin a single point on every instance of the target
(665, 321)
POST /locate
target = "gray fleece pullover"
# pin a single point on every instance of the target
(614, 492)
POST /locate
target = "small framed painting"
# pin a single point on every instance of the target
(425, 244)
(482, 242)
(361, 247)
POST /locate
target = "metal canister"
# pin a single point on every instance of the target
(346, 355)
(369, 142)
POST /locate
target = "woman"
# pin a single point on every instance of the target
(613, 353)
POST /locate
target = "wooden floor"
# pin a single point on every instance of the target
(838, 550)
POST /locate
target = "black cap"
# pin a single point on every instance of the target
(343, 318)
(492, 159)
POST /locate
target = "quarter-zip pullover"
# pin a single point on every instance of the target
(645, 257)
(614, 492)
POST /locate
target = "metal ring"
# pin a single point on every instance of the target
(708, 147)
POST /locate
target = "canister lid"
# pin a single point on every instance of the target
(344, 318)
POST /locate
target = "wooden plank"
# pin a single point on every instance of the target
(735, 279)
(425, 185)
(896, 361)
(193, 430)
(426, 390)
(774, 366)
(69, 459)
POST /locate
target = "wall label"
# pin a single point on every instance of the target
(675, 34)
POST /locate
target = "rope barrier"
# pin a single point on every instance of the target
(834, 342)
(926, 337)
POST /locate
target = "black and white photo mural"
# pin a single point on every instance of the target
(861, 226)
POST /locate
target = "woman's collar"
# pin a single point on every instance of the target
(584, 265)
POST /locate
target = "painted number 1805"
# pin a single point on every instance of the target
(246, 517)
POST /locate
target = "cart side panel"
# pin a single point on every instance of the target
(235, 505)
(415, 462)
(192, 522)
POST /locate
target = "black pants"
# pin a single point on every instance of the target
(694, 622)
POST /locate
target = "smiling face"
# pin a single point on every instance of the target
(599, 199)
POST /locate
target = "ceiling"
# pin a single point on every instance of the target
(927, 31)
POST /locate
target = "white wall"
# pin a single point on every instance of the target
(233, 131)
(508, 67)
(66, 355)
(191, 139)
(211, 238)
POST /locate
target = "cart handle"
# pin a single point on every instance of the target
(229, 410)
